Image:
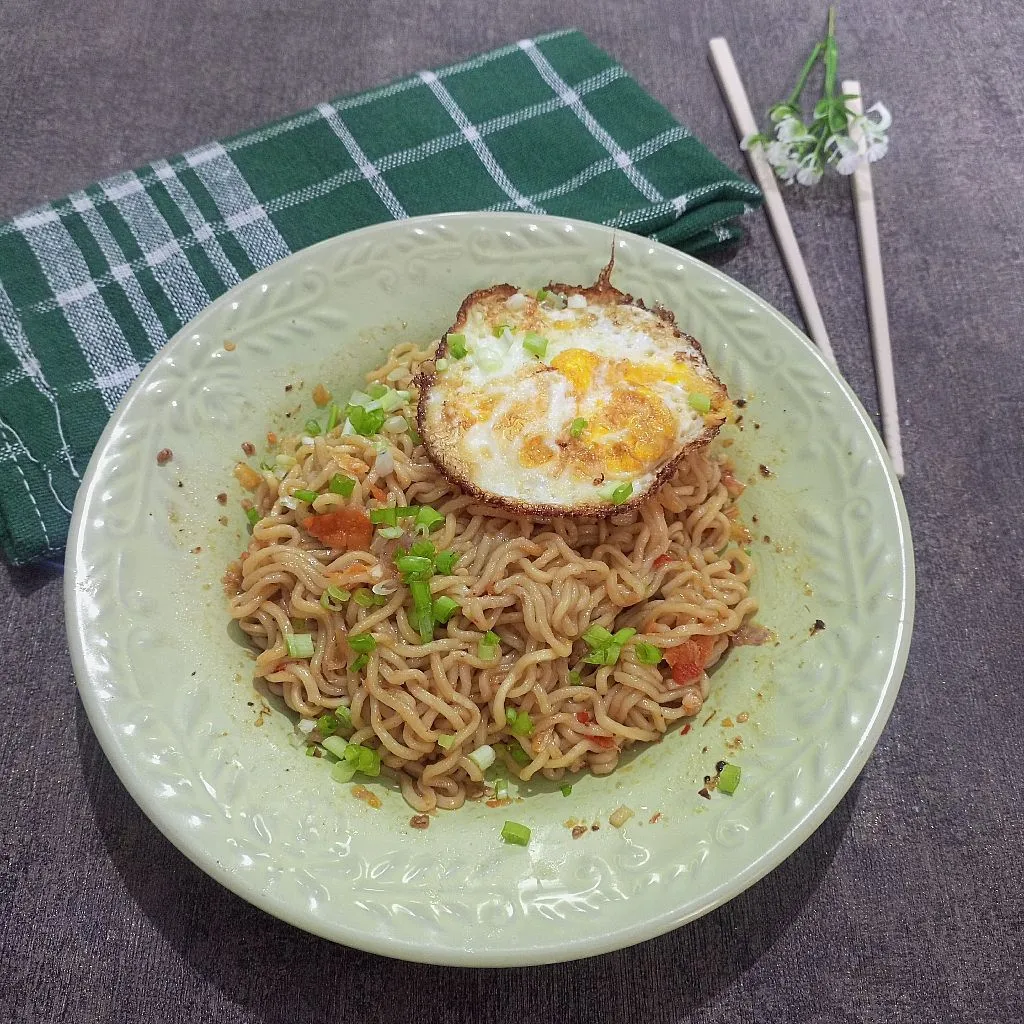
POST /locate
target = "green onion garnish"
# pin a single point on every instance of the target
(344, 716)
(384, 516)
(523, 725)
(364, 598)
(445, 741)
(445, 608)
(253, 515)
(333, 596)
(647, 654)
(423, 612)
(311, 750)
(729, 778)
(622, 493)
(623, 635)
(566, 790)
(335, 744)
(542, 294)
(414, 434)
(574, 677)
(519, 755)
(300, 645)
(501, 328)
(377, 390)
(404, 511)
(305, 495)
(423, 549)
(341, 484)
(391, 532)
(597, 636)
(457, 346)
(699, 403)
(501, 788)
(535, 344)
(577, 427)
(327, 725)
(516, 834)
(343, 771)
(444, 563)
(360, 663)
(412, 565)
(487, 649)
(365, 422)
(362, 643)
(365, 759)
(313, 428)
(333, 416)
(511, 715)
(428, 519)
(605, 647)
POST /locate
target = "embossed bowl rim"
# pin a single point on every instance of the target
(589, 943)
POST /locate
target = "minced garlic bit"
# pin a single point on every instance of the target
(620, 816)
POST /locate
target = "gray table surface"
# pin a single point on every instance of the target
(906, 904)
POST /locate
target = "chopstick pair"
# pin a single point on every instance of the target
(867, 229)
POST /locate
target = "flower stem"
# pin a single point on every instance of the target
(831, 55)
(794, 96)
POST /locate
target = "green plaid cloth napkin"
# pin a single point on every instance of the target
(91, 286)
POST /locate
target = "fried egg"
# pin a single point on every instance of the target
(569, 401)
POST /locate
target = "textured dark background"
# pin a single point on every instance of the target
(906, 905)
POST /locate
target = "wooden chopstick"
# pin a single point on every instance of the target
(874, 288)
(743, 118)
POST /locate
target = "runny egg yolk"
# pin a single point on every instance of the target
(578, 365)
(633, 430)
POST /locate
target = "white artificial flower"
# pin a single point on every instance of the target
(783, 157)
(792, 129)
(747, 140)
(810, 171)
(884, 117)
(845, 154)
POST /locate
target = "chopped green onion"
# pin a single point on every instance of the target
(300, 645)
(362, 643)
(391, 532)
(313, 428)
(574, 677)
(501, 788)
(566, 790)
(483, 757)
(360, 663)
(457, 346)
(305, 495)
(597, 636)
(344, 716)
(394, 400)
(265, 466)
(624, 634)
(491, 639)
(341, 484)
(577, 427)
(384, 516)
(365, 759)
(253, 515)
(501, 328)
(445, 608)
(647, 654)
(516, 834)
(535, 344)
(729, 778)
(622, 493)
(487, 649)
(365, 422)
(519, 755)
(377, 390)
(343, 771)
(603, 655)
(335, 744)
(445, 741)
(364, 598)
(404, 511)
(414, 434)
(523, 725)
(423, 612)
(699, 403)
(423, 549)
(311, 750)
(410, 565)
(444, 563)
(327, 725)
(333, 416)
(511, 715)
(542, 294)
(441, 364)
(428, 518)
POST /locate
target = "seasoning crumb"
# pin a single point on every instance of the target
(740, 403)
(596, 827)
(229, 346)
(223, 497)
(757, 426)
(655, 817)
(271, 438)
(766, 539)
(362, 793)
(288, 387)
(181, 483)
(743, 717)
(817, 627)
(164, 456)
(685, 729)
(248, 447)
(223, 520)
(420, 821)
(708, 719)
(579, 830)
(727, 723)
(754, 519)
(764, 470)
(321, 396)
(197, 549)
(704, 793)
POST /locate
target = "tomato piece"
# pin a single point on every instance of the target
(662, 560)
(688, 659)
(344, 529)
(607, 742)
(583, 717)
